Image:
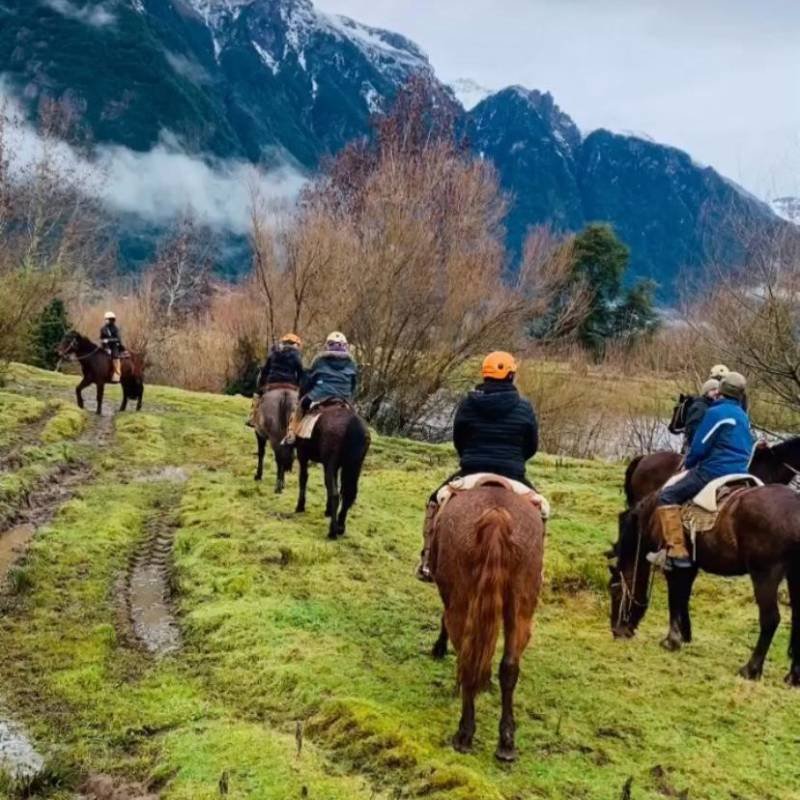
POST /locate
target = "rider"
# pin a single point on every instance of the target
(723, 445)
(697, 410)
(284, 367)
(494, 430)
(333, 376)
(111, 339)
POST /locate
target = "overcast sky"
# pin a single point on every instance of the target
(718, 78)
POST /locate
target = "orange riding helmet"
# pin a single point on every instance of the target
(292, 338)
(498, 365)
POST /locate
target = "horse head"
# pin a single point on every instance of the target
(779, 463)
(69, 344)
(629, 575)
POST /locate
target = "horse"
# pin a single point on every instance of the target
(779, 463)
(757, 532)
(98, 368)
(271, 421)
(340, 442)
(486, 558)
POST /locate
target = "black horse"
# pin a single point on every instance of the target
(340, 442)
(98, 368)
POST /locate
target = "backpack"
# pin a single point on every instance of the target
(677, 424)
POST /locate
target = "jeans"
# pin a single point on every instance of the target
(682, 491)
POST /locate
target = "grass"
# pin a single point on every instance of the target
(285, 632)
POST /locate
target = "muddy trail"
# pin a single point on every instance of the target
(145, 608)
(12, 456)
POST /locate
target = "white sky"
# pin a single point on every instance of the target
(718, 78)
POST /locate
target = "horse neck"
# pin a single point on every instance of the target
(84, 346)
(788, 452)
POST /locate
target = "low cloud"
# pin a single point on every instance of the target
(97, 16)
(161, 184)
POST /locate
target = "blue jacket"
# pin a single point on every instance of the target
(723, 443)
(331, 375)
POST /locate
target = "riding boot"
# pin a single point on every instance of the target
(251, 420)
(674, 552)
(293, 427)
(117, 376)
(423, 569)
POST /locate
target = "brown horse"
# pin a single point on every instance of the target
(340, 443)
(779, 463)
(271, 423)
(757, 533)
(98, 368)
(486, 557)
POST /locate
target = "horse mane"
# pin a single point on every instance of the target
(81, 339)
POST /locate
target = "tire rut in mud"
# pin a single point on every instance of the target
(146, 613)
(12, 456)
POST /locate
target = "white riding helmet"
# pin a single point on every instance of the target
(336, 338)
(109, 315)
(718, 371)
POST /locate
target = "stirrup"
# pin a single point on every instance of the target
(289, 439)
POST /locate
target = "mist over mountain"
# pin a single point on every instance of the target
(180, 96)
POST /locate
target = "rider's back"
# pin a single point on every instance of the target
(285, 365)
(332, 375)
(495, 431)
(723, 443)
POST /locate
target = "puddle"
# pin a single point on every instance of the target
(18, 757)
(151, 616)
(13, 544)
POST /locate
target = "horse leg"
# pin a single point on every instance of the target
(679, 590)
(262, 446)
(280, 481)
(332, 489)
(124, 399)
(439, 650)
(101, 387)
(350, 475)
(79, 390)
(303, 481)
(517, 634)
(140, 398)
(462, 741)
(793, 579)
(765, 584)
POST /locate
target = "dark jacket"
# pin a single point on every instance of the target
(723, 444)
(283, 365)
(694, 416)
(332, 374)
(495, 430)
(111, 338)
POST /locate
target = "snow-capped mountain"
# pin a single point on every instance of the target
(787, 208)
(278, 81)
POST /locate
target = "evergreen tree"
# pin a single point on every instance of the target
(244, 368)
(47, 331)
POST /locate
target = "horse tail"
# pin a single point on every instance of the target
(284, 412)
(354, 449)
(630, 498)
(482, 625)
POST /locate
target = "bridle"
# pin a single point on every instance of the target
(70, 351)
(628, 599)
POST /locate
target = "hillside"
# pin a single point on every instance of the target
(279, 83)
(274, 636)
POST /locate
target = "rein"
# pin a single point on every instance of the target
(629, 600)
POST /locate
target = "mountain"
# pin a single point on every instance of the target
(787, 208)
(278, 82)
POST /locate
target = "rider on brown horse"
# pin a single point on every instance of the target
(495, 431)
(282, 369)
(723, 445)
(111, 339)
(333, 376)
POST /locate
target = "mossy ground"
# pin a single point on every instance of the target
(290, 638)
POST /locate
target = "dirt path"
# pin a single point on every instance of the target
(12, 456)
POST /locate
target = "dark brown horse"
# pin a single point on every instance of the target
(779, 463)
(271, 422)
(757, 533)
(340, 442)
(486, 557)
(98, 368)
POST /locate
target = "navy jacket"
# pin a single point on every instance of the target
(333, 374)
(694, 416)
(495, 430)
(723, 444)
(284, 365)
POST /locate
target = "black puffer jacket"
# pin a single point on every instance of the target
(284, 365)
(495, 430)
(694, 416)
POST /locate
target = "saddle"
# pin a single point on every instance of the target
(468, 482)
(305, 429)
(701, 512)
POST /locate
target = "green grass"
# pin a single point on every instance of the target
(282, 627)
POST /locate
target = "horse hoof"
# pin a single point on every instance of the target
(257, 478)
(461, 744)
(793, 679)
(300, 510)
(672, 645)
(750, 673)
(506, 754)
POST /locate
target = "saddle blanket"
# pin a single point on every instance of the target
(306, 427)
(468, 482)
